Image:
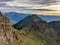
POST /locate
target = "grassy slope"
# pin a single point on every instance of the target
(25, 40)
(34, 37)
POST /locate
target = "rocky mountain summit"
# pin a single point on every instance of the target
(29, 20)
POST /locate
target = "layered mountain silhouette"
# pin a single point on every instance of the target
(12, 16)
(31, 30)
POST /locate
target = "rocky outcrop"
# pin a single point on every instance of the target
(6, 35)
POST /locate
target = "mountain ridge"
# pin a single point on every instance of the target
(34, 31)
(28, 20)
(38, 30)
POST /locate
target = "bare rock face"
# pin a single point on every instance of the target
(6, 35)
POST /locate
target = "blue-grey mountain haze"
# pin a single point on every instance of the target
(16, 17)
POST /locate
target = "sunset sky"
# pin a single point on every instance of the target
(45, 7)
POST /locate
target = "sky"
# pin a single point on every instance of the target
(45, 7)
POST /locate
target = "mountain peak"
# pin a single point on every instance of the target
(29, 20)
(33, 18)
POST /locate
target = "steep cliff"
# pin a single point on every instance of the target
(6, 34)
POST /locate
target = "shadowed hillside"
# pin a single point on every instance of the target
(56, 26)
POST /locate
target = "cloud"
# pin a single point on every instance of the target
(37, 1)
(43, 10)
(28, 6)
(5, 0)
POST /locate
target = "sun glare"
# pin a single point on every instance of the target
(53, 7)
(58, 7)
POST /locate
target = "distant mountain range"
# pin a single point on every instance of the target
(16, 17)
